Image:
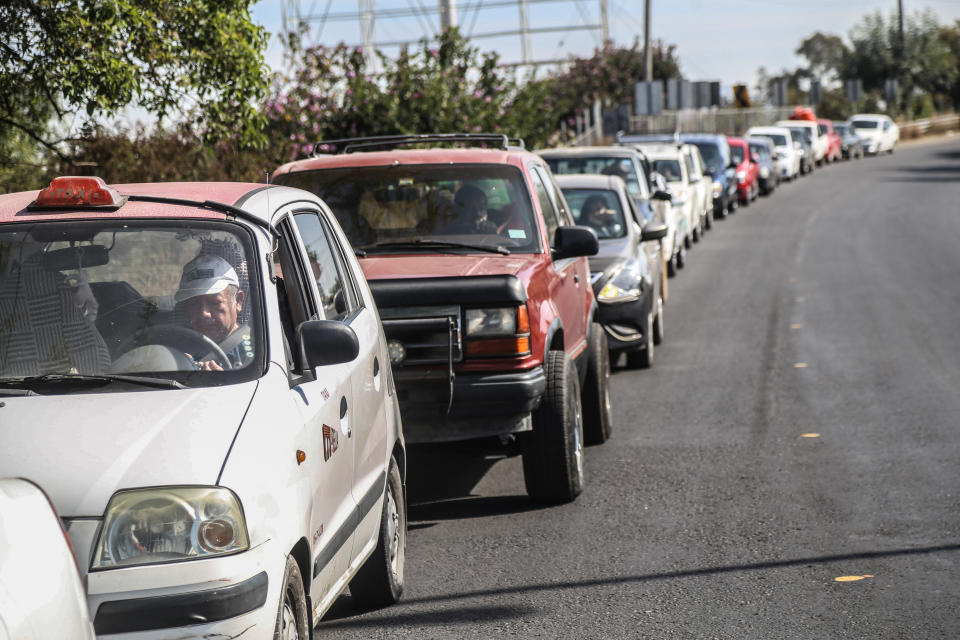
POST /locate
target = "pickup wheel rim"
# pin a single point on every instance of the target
(288, 630)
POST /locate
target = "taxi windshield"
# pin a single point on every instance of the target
(116, 303)
(404, 208)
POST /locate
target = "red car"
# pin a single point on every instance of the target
(747, 170)
(483, 287)
(834, 141)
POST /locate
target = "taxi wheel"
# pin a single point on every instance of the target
(597, 415)
(292, 617)
(553, 451)
(379, 582)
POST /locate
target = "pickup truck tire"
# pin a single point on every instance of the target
(292, 616)
(597, 415)
(379, 582)
(553, 451)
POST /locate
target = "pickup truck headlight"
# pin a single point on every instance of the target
(170, 524)
(497, 331)
(625, 285)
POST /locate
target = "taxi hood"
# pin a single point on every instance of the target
(81, 448)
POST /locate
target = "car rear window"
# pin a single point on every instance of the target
(388, 208)
(669, 169)
(605, 165)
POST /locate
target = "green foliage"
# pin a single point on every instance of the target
(80, 60)
(826, 55)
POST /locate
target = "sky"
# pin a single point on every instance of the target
(725, 40)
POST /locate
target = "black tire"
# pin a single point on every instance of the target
(292, 617)
(379, 582)
(734, 204)
(708, 220)
(597, 416)
(553, 451)
(681, 258)
(687, 241)
(696, 233)
(671, 267)
(658, 331)
(643, 358)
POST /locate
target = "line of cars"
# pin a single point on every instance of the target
(209, 380)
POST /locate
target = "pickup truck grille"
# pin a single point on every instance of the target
(429, 335)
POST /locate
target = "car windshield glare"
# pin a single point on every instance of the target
(599, 209)
(407, 207)
(137, 297)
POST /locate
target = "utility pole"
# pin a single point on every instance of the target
(605, 22)
(448, 14)
(647, 59)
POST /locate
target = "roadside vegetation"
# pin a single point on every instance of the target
(219, 114)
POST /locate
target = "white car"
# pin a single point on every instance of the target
(703, 187)
(197, 375)
(41, 595)
(819, 142)
(788, 156)
(880, 134)
(668, 160)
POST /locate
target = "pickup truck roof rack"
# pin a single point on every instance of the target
(350, 145)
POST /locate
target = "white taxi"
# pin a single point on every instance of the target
(197, 376)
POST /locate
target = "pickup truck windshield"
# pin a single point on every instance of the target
(402, 208)
(124, 300)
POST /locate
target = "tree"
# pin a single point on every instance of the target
(80, 60)
(825, 54)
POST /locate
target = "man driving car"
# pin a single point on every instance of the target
(211, 297)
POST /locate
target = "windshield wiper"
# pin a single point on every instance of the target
(433, 244)
(53, 379)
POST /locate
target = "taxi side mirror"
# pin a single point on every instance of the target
(324, 342)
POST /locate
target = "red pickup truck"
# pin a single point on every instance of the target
(483, 288)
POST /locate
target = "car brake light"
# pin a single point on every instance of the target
(77, 191)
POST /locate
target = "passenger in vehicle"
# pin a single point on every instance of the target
(470, 211)
(603, 220)
(211, 297)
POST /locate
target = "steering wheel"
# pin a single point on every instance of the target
(181, 338)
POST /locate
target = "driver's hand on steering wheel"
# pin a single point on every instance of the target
(205, 365)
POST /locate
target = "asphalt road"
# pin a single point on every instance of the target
(801, 424)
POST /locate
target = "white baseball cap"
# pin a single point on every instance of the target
(204, 275)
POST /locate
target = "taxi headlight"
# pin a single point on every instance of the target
(169, 524)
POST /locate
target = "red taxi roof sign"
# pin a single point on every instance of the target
(78, 191)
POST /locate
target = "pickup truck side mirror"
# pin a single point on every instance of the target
(573, 242)
(324, 342)
(660, 194)
(653, 231)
